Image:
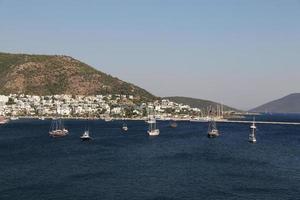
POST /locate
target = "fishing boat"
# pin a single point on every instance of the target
(153, 131)
(57, 129)
(252, 138)
(212, 129)
(3, 120)
(86, 136)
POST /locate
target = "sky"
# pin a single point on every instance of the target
(242, 53)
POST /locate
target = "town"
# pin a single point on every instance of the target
(99, 106)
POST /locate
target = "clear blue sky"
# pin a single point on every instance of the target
(239, 52)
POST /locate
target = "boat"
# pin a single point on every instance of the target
(107, 119)
(86, 136)
(42, 118)
(57, 129)
(125, 127)
(212, 129)
(201, 119)
(14, 118)
(153, 131)
(173, 124)
(3, 120)
(252, 138)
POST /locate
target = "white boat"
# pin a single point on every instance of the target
(14, 118)
(153, 131)
(206, 119)
(125, 127)
(252, 138)
(41, 118)
(212, 129)
(57, 129)
(86, 136)
(107, 119)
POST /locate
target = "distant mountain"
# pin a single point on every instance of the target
(198, 103)
(48, 75)
(287, 104)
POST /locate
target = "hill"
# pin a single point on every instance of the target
(287, 104)
(49, 75)
(198, 103)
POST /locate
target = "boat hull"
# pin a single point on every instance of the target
(86, 139)
(173, 125)
(153, 133)
(212, 135)
(59, 133)
(252, 141)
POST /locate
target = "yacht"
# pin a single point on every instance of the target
(125, 127)
(153, 131)
(252, 138)
(57, 129)
(86, 136)
(14, 118)
(212, 129)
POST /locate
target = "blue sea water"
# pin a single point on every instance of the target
(181, 163)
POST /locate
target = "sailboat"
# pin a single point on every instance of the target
(153, 131)
(212, 129)
(252, 138)
(86, 136)
(125, 127)
(57, 129)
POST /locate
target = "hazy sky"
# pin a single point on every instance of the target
(239, 52)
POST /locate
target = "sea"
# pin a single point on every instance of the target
(180, 163)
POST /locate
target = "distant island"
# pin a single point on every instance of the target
(287, 104)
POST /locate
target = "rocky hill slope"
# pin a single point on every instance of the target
(48, 75)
